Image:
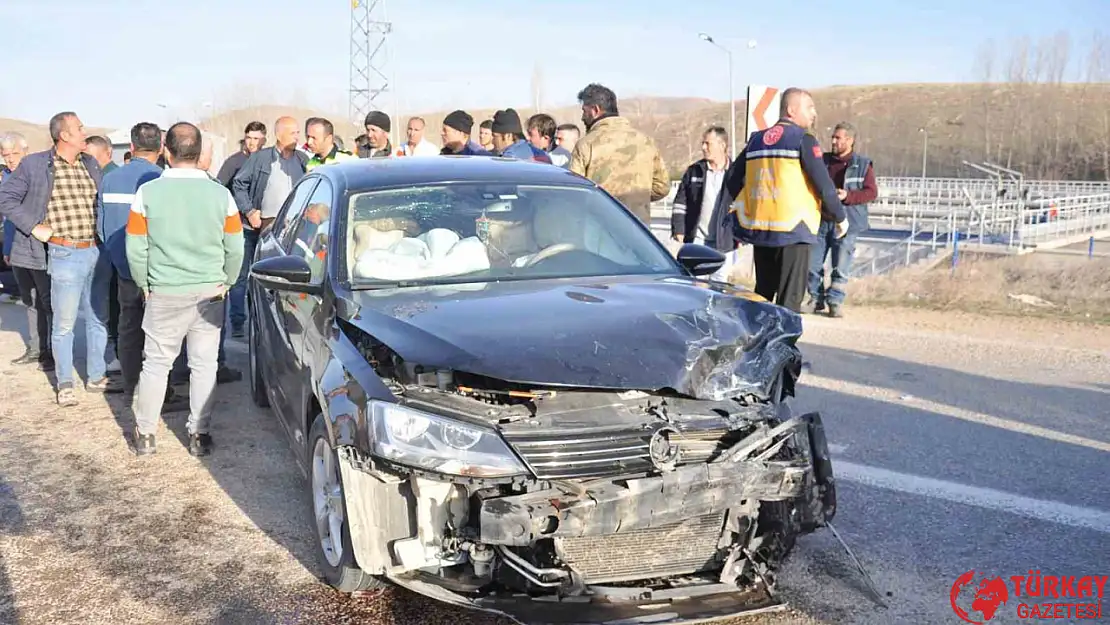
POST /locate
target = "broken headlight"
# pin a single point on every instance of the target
(427, 441)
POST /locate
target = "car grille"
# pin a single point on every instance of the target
(599, 454)
(681, 548)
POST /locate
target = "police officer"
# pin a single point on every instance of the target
(782, 183)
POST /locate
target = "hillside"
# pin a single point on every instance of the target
(1043, 130)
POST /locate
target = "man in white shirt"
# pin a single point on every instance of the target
(692, 218)
(417, 145)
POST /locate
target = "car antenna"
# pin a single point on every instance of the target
(875, 594)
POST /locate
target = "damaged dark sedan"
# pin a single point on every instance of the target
(506, 394)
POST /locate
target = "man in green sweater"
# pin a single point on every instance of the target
(185, 250)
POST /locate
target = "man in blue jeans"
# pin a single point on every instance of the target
(854, 177)
(52, 198)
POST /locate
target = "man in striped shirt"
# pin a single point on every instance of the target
(117, 192)
(185, 249)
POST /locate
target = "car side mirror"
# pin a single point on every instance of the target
(700, 260)
(285, 273)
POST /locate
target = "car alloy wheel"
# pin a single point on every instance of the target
(327, 501)
(329, 511)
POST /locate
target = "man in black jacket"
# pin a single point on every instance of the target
(697, 193)
(254, 137)
(260, 188)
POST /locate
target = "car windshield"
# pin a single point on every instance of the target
(468, 232)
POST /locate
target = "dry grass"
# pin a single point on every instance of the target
(1077, 287)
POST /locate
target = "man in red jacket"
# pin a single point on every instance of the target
(854, 177)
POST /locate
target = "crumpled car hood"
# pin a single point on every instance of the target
(643, 333)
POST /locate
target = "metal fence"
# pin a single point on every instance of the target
(937, 214)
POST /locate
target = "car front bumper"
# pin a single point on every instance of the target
(617, 537)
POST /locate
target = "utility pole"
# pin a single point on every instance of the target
(537, 88)
(370, 75)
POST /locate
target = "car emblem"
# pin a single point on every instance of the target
(662, 451)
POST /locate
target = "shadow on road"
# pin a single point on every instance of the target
(12, 523)
(1077, 411)
(905, 437)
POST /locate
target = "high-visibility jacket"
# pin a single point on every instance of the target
(336, 155)
(784, 182)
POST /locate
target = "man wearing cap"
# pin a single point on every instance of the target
(377, 136)
(456, 135)
(508, 138)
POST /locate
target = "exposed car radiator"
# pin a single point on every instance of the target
(685, 547)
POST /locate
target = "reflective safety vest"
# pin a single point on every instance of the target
(780, 206)
(335, 156)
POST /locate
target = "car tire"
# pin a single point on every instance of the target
(258, 382)
(325, 492)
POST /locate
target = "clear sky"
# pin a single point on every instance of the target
(115, 61)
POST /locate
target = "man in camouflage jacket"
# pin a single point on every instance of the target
(619, 158)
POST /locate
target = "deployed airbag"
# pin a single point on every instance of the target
(434, 254)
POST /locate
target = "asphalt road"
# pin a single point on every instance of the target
(960, 443)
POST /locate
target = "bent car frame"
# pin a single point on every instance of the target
(506, 394)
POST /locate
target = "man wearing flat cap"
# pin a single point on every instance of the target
(377, 136)
(456, 135)
(509, 139)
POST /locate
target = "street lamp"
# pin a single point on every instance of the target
(731, 99)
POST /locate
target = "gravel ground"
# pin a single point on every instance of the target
(90, 534)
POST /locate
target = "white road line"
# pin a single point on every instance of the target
(891, 396)
(1051, 511)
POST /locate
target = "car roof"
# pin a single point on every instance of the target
(366, 174)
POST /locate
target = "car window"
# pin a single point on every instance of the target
(463, 232)
(309, 237)
(294, 204)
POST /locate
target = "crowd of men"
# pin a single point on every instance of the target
(157, 251)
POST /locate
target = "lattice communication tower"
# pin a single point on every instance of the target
(370, 32)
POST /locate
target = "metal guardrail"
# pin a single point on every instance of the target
(979, 188)
(940, 213)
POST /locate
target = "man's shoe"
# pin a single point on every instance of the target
(200, 444)
(227, 375)
(29, 357)
(237, 332)
(66, 396)
(809, 306)
(144, 444)
(46, 363)
(835, 311)
(105, 385)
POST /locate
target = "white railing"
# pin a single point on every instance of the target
(1070, 218)
(939, 212)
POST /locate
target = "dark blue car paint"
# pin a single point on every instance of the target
(628, 332)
